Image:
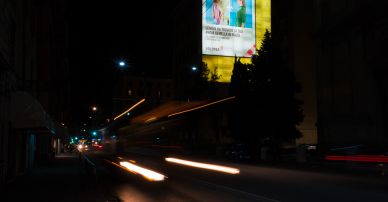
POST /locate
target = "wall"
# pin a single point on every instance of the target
(352, 87)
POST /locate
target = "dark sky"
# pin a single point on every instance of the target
(101, 32)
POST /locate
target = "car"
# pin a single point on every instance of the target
(237, 152)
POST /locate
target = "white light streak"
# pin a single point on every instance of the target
(204, 165)
(148, 174)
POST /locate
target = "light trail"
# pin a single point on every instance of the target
(203, 106)
(150, 119)
(128, 110)
(358, 158)
(146, 173)
(214, 167)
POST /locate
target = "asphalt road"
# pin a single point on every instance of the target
(254, 183)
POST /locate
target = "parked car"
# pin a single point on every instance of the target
(237, 152)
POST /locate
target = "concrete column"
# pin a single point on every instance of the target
(59, 146)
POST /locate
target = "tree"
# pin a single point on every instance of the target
(214, 75)
(239, 84)
(266, 91)
(239, 113)
(199, 82)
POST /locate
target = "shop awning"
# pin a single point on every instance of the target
(28, 113)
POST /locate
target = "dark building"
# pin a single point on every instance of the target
(293, 32)
(187, 47)
(34, 84)
(337, 50)
(130, 89)
(292, 29)
(351, 43)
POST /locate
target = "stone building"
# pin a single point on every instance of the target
(34, 84)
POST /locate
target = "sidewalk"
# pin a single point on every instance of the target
(58, 180)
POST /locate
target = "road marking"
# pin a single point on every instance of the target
(247, 194)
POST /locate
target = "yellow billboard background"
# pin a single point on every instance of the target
(225, 64)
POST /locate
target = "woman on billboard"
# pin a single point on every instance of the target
(217, 11)
(241, 13)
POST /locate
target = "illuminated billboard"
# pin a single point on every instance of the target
(228, 27)
(232, 28)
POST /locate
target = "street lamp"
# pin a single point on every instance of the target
(121, 64)
(94, 108)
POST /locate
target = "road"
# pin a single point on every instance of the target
(253, 183)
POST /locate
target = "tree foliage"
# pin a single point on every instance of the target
(265, 89)
(214, 75)
(200, 82)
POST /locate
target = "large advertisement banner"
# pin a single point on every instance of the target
(228, 28)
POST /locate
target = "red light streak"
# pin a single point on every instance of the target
(358, 158)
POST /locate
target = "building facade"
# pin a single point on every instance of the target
(187, 49)
(351, 40)
(34, 84)
(291, 24)
(131, 89)
(337, 51)
(293, 33)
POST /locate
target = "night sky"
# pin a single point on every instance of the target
(101, 32)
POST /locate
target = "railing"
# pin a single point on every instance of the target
(87, 167)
